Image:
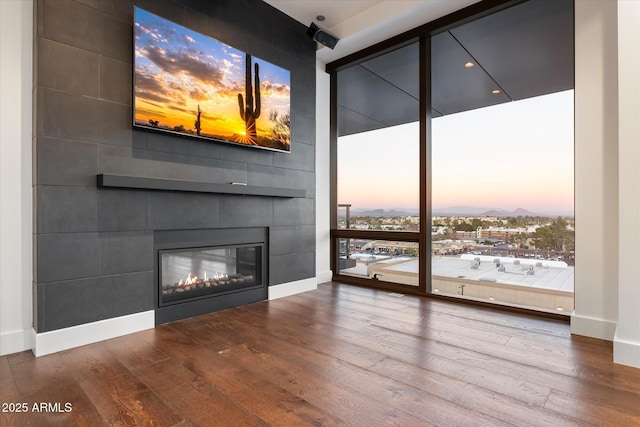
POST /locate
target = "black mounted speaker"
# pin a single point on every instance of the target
(322, 36)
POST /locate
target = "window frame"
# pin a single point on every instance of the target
(422, 35)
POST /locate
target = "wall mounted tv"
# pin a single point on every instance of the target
(189, 84)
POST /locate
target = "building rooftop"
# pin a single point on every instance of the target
(552, 275)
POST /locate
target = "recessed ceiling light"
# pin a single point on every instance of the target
(436, 290)
(320, 18)
(491, 298)
(469, 64)
(495, 91)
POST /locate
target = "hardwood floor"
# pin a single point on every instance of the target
(341, 355)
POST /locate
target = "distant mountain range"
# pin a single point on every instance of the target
(457, 211)
(383, 212)
(472, 211)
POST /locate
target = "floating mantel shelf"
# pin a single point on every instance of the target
(136, 182)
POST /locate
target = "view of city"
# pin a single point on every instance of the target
(502, 225)
(487, 256)
(523, 236)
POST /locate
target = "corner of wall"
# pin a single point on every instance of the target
(626, 353)
(596, 170)
(324, 276)
(16, 257)
(323, 208)
(593, 327)
(292, 288)
(15, 341)
(626, 344)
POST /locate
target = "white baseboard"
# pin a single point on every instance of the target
(76, 336)
(593, 327)
(16, 341)
(324, 276)
(292, 288)
(626, 352)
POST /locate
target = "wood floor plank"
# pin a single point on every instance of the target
(93, 362)
(8, 389)
(317, 337)
(473, 363)
(597, 413)
(165, 375)
(132, 352)
(167, 340)
(337, 356)
(522, 322)
(198, 329)
(593, 360)
(61, 404)
(202, 405)
(353, 406)
(437, 326)
(528, 378)
(19, 357)
(386, 310)
(125, 401)
(475, 398)
(429, 407)
(529, 393)
(261, 395)
(33, 374)
(317, 312)
(262, 398)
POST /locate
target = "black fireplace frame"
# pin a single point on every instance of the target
(203, 238)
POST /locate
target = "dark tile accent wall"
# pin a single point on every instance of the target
(94, 247)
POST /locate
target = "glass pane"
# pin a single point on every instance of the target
(344, 216)
(197, 272)
(502, 192)
(395, 262)
(378, 142)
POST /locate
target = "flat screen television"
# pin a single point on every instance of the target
(189, 84)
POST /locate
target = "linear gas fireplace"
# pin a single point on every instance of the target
(201, 271)
(187, 274)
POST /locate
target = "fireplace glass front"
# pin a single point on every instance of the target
(196, 273)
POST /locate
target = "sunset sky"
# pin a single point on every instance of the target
(512, 155)
(177, 69)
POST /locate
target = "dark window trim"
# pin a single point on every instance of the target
(424, 247)
(399, 236)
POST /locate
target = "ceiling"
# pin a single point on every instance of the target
(335, 12)
(523, 51)
(361, 23)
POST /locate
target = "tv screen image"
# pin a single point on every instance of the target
(190, 84)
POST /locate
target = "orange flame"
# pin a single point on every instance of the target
(193, 280)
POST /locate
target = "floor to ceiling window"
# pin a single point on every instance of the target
(454, 160)
(378, 167)
(502, 157)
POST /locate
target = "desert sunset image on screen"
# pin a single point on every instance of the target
(191, 84)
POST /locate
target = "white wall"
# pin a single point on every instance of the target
(323, 208)
(596, 169)
(626, 345)
(16, 42)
